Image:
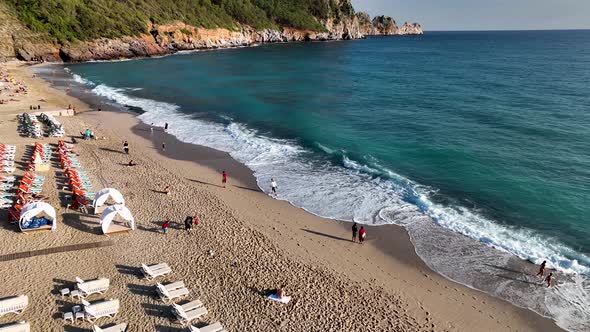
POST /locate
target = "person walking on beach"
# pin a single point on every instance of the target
(152, 128)
(167, 190)
(126, 147)
(188, 223)
(542, 269)
(165, 226)
(273, 186)
(362, 235)
(548, 279)
(354, 231)
(224, 178)
(166, 126)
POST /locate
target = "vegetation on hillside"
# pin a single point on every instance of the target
(71, 20)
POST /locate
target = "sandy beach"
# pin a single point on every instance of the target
(246, 243)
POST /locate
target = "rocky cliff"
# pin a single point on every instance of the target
(16, 40)
(177, 36)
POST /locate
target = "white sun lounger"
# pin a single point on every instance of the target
(185, 317)
(171, 286)
(215, 327)
(16, 327)
(7, 169)
(95, 310)
(187, 306)
(98, 286)
(169, 295)
(117, 328)
(155, 271)
(14, 305)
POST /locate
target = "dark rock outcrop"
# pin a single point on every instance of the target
(384, 25)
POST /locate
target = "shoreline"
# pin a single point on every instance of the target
(401, 249)
(392, 266)
(391, 241)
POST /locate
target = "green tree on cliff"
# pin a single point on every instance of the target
(71, 20)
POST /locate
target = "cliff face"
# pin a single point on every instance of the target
(171, 38)
(343, 23)
(365, 24)
(18, 40)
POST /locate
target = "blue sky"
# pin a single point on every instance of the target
(483, 15)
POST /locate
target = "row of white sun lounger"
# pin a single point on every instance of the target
(7, 153)
(184, 313)
(17, 304)
(55, 128)
(29, 125)
(14, 305)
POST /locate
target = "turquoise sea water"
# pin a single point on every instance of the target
(484, 134)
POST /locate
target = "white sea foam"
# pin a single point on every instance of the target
(79, 79)
(367, 194)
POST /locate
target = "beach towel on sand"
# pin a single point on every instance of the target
(284, 299)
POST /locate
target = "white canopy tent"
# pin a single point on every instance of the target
(116, 218)
(37, 216)
(102, 197)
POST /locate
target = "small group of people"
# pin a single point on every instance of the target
(541, 273)
(362, 233)
(189, 223)
(165, 127)
(88, 134)
(7, 86)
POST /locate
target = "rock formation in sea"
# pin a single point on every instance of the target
(16, 40)
(410, 29)
(385, 25)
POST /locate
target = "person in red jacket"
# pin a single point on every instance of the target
(224, 178)
(165, 226)
(362, 234)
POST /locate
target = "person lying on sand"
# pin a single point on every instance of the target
(281, 293)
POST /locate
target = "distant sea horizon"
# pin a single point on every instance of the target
(475, 141)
